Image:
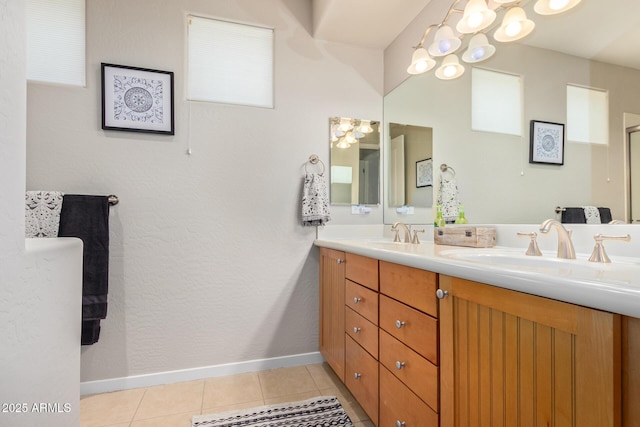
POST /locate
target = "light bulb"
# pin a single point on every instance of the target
(449, 71)
(421, 66)
(444, 45)
(350, 138)
(478, 53)
(557, 4)
(474, 20)
(513, 29)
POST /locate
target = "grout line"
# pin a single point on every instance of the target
(133, 417)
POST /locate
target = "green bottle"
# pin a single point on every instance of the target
(439, 221)
(461, 219)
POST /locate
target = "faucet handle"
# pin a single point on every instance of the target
(415, 236)
(396, 237)
(599, 254)
(533, 249)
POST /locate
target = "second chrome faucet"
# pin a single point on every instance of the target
(565, 246)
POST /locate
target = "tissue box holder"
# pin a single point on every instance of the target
(465, 235)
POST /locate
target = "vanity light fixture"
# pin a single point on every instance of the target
(478, 19)
(365, 126)
(347, 131)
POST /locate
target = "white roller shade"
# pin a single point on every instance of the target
(496, 102)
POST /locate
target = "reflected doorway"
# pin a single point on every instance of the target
(633, 139)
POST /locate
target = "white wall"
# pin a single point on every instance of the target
(209, 262)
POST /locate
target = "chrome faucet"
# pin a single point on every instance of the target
(565, 246)
(407, 231)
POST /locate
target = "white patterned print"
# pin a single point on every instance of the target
(42, 213)
(315, 200)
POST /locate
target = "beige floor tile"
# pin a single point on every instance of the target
(176, 420)
(286, 381)
(323, 375)
(108, 409)
(230, 390)
(234, 407)
(171, 399)
(292, 397)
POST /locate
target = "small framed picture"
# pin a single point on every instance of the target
(424, 173)
(547, 143)
(137, 99)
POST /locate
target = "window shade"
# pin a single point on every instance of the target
(230, 63)
(587, 115)
(56, 41)
(496, 102)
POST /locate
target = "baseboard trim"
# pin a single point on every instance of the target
(159, 378)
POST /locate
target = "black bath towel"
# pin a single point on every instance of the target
(573, 216)
(87, 217)
(605, 215)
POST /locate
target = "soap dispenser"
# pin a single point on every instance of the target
(461, 219)
(439, 221)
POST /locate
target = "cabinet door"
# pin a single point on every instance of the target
(332, 277)
(509, 358)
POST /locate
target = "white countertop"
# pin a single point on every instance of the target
(613, 287)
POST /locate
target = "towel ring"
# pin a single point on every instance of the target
(314, 159)
(445, 168)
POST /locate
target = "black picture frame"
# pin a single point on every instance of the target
(137, 99)
(546, 143)
(424, 173)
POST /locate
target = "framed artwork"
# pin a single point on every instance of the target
(137, 99)
(424, 173)
(547, 143)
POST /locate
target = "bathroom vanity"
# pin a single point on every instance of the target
(419, 343)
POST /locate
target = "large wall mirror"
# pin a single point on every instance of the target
(355, 161)
(496, 182)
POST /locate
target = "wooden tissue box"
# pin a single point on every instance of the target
(465, 235)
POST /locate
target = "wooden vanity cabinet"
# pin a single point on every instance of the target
(509, 358)
(331, 319)
(409, 356)
(361, 330)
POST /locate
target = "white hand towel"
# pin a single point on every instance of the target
(315, 200)
(592, 214)
(448, 198)
(42, 213)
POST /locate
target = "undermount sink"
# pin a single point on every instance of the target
(510, 258)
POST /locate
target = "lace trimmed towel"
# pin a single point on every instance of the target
(315, 200)
(592, 214)
(42, 213)
(448, 198)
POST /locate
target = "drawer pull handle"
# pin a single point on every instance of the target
(340, 261)
(400, 324)
(357, 376)
(356, 300)
(400, 365)
(442, 294)
(356, 330)
(400, 423)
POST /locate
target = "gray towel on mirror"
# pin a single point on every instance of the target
(573, 216)
(605, 215)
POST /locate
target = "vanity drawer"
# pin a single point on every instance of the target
(361, 378)
(412, 286)
(420, 375)
(362, 300)
(400, 405)
(362, 270)
(362, 331)
(414, 328)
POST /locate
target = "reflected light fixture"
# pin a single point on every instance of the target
(365, 126)
(478, 18)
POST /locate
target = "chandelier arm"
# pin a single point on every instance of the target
(446, 18)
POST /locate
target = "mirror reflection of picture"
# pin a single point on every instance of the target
(424, 173)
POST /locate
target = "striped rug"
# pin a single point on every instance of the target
(318, 411)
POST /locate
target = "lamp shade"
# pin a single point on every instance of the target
(552, 7)
(450, 68)
(479, 49)
(444, 42)
(477, 16)
(421, 62)
(515, 26)
(365, 126)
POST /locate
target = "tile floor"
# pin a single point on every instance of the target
(173, 405)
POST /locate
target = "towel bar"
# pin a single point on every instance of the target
(113, 200)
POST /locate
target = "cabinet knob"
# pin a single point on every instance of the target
(400, 423)
(442, 294)
(357, 375)
(400, 365)
(400, 324)
(356, 300)
(340, 260)
(356, 330)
